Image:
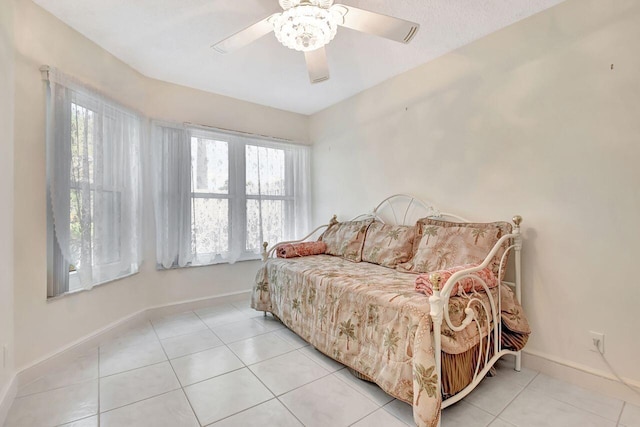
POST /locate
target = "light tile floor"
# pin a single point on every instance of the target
(227, 366)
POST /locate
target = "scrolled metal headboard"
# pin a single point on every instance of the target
(405, 209)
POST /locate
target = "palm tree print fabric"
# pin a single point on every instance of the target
(388, 245)
(292, 250)
(461, 287)
(440, 245)
(369, 318)
(345, 239)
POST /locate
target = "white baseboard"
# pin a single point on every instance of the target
(581, 375)
(6, 398)
(32, 371)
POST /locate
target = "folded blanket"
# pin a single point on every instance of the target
(466, 285)
(291, 250)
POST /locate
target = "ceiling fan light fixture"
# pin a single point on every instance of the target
(305, 27)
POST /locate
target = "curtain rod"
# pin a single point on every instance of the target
(45, 73)
(45, 69)
(241, 133)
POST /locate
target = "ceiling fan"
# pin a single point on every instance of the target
(308, 25)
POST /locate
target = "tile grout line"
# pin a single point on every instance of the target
(55, 388)
(393, 415)
(245, 366)
(146, 398)
(75, 421)
(263, 360)
(229, 323)
(516, 396)
(210, 378)
(624, 404)
(174, 371)
(365, 416)
(239, 412)
(577, 407)
(334, 373)
(558, 400)
(138, 401)
(356, 389)
(276, 397)
(196, 352)
(290, 411)
(134, 369)
(295, 388)
(234, 370)
(524, 387)
(222, 324)
(59, 387)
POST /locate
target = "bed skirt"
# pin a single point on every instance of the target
(458, 369)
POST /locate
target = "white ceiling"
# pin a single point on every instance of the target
(170, 40)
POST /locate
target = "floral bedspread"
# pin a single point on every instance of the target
(369, 318)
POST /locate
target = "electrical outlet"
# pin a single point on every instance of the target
(596, 342)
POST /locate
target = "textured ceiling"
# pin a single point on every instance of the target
(170, 40)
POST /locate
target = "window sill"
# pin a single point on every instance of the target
(79, 291)
(252, 257)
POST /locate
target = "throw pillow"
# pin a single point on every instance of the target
(388, 245)
(345, 239)
(444, 244)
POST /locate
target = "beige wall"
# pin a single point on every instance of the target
(6, 192)
(44, 327)
(529, 120)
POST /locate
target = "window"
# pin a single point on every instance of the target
(93, 177)
(243, 191)
(267, 196)
(210, 197)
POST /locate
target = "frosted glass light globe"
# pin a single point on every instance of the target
(305, 27)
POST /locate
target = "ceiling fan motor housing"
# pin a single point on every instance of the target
(288, 4)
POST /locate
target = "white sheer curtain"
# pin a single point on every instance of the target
(219, 195)
(94, 177)
(301, 190)
(170, 151)
(277, 192)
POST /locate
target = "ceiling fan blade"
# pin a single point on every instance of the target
(317, 65)
(375, 23)
(246, 36)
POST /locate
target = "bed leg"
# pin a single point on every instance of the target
(518, 366)
(265, 313)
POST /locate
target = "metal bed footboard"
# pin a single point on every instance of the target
(439, 304)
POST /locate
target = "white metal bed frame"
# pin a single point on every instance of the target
(442, 292)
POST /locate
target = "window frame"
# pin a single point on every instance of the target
(114, 267)
(62, 277)
(237, 193)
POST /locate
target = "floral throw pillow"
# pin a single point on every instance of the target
(443, 244)
(463, 286)
(345, 239)
(388, 245)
